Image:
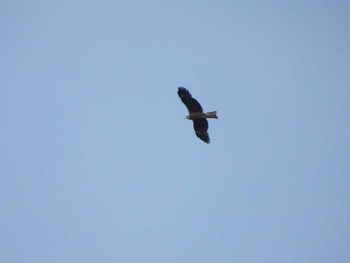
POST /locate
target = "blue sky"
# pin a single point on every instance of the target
(98, 164)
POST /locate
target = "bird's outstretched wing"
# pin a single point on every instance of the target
(200, 126)
(191, 103)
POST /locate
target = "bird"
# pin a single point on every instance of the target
(196, 114)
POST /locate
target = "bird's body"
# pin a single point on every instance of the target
(202, 115)
(196, 114)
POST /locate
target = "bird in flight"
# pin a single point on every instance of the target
(196, 114)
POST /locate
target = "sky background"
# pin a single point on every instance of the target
(98, 164)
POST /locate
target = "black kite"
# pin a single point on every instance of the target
(196, 114)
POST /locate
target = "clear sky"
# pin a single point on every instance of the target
(98, 164)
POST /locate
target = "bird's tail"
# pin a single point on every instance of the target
(211, 114)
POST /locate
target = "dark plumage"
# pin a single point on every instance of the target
(191, 103)
(196, 114)
(201, 126)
